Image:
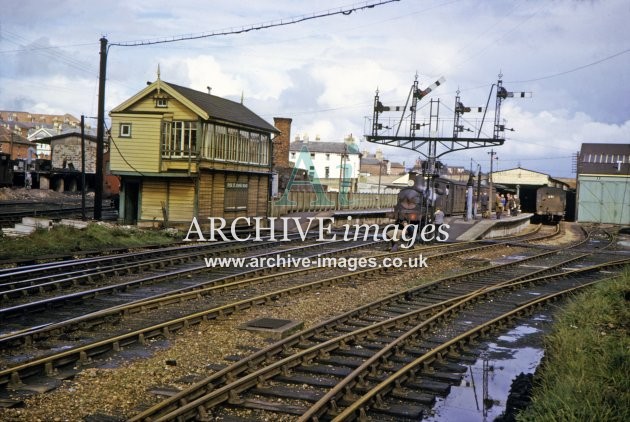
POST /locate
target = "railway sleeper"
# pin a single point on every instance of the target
(372, 318)
(413, 396)
(453, 367)
(398, 309)
(437, 297)
(374, 344)
(337, 371)
(315, 381)
(258, 404)
(293, 392)
(399, 411)
(350, 361)
(444, 376)
(356, 352)
(417, 350)
(422, 383)
(382, 314)
(358, 322)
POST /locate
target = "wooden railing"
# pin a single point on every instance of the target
(329, 201)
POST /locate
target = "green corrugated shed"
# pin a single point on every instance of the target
(603, 199)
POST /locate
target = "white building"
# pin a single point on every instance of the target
(325, 160)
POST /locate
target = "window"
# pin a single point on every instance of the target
(125, 130)
(179, 139)
(293, 155)
(161, 102)
(236, 195)
(327, 157)
(312, 155)
(327, 171)
(224, 143)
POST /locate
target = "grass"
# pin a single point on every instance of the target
(586, 373)
(64, 240)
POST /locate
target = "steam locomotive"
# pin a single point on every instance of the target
(416, 203)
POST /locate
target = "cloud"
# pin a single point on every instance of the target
(323, 73)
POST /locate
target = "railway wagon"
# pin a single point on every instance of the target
(551, 203)
(453, 198)
(453, 201)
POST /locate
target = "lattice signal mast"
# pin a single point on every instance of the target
(439, 146)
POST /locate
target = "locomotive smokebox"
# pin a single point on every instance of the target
(416, 180)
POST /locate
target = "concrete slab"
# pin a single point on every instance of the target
(77, 224)
(23, 228)
(43, 223)
(10, 232)
(273, 328)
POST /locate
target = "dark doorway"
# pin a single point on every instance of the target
(570, 210)
(131, 192)
(527, 195)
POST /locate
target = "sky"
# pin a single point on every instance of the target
(573, 56)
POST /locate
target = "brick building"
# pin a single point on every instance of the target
(14, 144)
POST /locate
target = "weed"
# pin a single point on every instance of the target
(587, 367)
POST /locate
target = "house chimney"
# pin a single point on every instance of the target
(281, 142)
(209, 90)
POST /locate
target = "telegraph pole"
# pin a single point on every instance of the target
(100, 134)
(83, 168)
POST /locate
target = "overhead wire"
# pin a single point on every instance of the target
(255, 27)
(575, 69)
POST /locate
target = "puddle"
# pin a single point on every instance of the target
(518, 350)
(520, 332)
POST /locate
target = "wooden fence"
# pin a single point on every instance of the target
(329, 201)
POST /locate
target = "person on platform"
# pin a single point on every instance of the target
(485, 201)
(438, 218)
(498, 203)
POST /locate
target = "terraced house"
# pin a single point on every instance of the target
(182, 153)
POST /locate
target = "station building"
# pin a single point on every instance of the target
(525, 183)
(181, 153)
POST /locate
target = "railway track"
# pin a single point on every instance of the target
(157, 280)
(76, 328)
(65, 364)
(19, 287)
(34, 280)
(321, 372)
(12, 212)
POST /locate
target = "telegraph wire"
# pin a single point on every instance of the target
(575, 69)
(255, 27)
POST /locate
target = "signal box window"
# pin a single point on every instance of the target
(125, 130)
(236, 196)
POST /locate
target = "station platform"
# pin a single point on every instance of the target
(462, 231)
